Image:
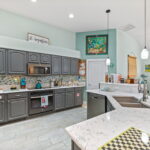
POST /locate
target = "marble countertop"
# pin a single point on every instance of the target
(95, 132)
(43, 89)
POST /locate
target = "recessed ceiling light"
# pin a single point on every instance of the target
(71, 15)
(34, 1)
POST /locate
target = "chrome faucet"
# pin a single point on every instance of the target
(145, 94)
(143, 90)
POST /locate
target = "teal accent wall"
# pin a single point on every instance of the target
(81, 46)
(16, 26)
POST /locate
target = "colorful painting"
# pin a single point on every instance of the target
(147, 68)
(97, 45)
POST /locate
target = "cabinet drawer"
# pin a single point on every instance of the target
(1, 97)
(17, 95)
(78, 89)
(60, 91)
(70, 90)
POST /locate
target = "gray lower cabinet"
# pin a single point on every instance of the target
(33, 57)
(2, 111)
(96, 105)
(74, 66)
(70, 99)
(60, 99)
(45, 59)
(2, 61)
(16, 62)
(75, 147)
(17, 108)
(56, 65)
(78, 98)
(65, 65)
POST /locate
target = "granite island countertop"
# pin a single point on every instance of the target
(95, 132)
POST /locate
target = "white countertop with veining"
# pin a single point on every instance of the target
(95, 132)
(43, 89)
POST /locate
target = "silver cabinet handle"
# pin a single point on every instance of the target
(0, 97)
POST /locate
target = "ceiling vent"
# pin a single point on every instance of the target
(127, 27)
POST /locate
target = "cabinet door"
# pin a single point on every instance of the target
(17, 108)
(96, 105)
(2, 61)
(78, 98)
(70, 100)
(34, 57)
(45, 59)
(66, 65)
(74, 66)
(60, 101)
(56, 65)
(16, 62)
(2, 111)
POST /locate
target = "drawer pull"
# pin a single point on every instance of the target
(18, 95)
(0, 97)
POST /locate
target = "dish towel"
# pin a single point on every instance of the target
(44, 101)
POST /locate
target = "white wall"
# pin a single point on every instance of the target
(127, 45)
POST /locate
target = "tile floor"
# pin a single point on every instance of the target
(42, 133)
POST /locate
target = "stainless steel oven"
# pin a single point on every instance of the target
(39, 69)
(35, 106)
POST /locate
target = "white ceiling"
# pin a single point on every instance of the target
(89, 14)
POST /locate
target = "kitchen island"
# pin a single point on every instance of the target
(95, 132)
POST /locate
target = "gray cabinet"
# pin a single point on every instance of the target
(16, 62)
(45, 59)
(74, 146)
(2, 109)
(78, 97)
(109, 106)
(17, 106)
(60, 101)
(2, 61)
(33, 57)
(70, 99)
(96, 105)
(56, 65)
(65, 65)
(74, 66)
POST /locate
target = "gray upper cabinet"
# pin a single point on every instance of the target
(70, 99)
(56, 65)
(65, 65)
(45, 59)
(74, 66)
(33, 57)
(60, 101)
(2, 61)
(16, 62)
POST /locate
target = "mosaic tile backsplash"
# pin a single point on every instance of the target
(7, 81)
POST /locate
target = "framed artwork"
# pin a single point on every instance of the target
(97, 45)
(37, 39)
(147, 68)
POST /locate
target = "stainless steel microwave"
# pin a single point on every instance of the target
(39, 69)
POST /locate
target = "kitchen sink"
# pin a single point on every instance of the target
(129, 102)
(125, 99)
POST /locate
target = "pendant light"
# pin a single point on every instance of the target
(108, 61)
(145, 52)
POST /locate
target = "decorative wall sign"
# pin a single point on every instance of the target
(37, 39)
(147, 68)
(97, 45)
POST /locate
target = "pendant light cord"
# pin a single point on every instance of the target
(108, 11)
(145, 23)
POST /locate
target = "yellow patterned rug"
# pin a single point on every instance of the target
(131, 139)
